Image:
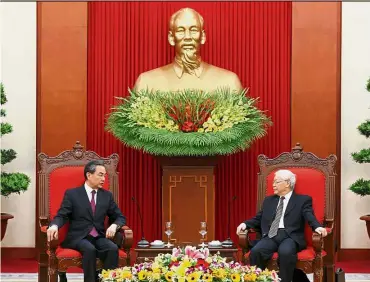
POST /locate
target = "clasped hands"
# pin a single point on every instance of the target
(52, 232)
(320, 230)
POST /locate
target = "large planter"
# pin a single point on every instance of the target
(367, 219)
(4, 223)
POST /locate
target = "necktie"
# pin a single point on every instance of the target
(93, 231)
(275, 224)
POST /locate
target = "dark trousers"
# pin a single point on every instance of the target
(287, 249)
(99, 247)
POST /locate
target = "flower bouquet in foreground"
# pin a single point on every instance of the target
(188, 123)
(189, 265)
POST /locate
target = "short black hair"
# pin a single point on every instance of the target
(91, 167)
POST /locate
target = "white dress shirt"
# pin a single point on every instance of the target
(88, 190)
(285, 204)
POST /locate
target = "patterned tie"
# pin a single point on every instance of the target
(93, 231)
(275, 224)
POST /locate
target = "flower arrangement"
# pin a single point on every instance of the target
(188, 123)
(189, 265)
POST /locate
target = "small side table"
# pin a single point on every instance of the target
(151, 252)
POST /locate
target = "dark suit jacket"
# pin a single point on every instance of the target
(76, 209)
(298, 212)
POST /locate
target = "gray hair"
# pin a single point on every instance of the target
(174, 16)
(288, 176)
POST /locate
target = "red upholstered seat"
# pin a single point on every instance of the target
(69, 253)
(306, 255)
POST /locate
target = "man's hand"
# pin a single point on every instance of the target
(52, 233)
(322, 231)
(240, 228)
(111, 231)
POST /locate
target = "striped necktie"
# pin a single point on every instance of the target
(275, 224)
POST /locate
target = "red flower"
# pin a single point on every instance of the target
(202, 263)
(188, 126)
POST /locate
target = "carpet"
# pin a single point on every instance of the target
(77, 277)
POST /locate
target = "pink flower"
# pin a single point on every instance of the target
(176, 252)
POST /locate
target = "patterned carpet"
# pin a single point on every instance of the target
(32, 277)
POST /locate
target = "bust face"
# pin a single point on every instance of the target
(187, 34)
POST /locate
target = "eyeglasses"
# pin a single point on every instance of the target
(277, 182)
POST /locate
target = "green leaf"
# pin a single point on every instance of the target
(362, 157)
(364, 128)
(7, 156)
(361, 187)
(6, 128)
(13, 183)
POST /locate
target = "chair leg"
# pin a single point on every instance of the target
(318, 275)
(53, 277)
(329, 273)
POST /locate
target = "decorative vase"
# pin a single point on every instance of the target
(4, 223)
(367, 219)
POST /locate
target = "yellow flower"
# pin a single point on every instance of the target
(169, 276)
(252, 277)
(193, 277)
(235, 277)
(105, 273)
(186, 263)
(181, 279)
(207, 277)
(142, 275)
(200, 130)
(126, 274)
(209, 260)
(219, 273)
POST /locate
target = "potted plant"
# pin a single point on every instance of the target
(362, 186)
(10, 182)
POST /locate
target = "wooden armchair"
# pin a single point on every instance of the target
(57, 174)
(315, 177)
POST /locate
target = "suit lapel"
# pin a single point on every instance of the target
(291, 204)
(85, 200)
(274, 204)
(99, 199)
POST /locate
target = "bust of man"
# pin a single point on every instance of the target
(187, 71)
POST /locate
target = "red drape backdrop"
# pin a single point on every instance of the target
(252, 39)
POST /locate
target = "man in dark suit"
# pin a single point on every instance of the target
(282, 221)
(85, 208)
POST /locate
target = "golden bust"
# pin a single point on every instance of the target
(187, 71)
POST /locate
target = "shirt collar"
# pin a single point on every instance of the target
(89, 189)
(287, 196)
(179, 70)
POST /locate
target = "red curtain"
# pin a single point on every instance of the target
(252, 39)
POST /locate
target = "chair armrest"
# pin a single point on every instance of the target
(52, 245)
(124, 238)
(317, 242)
(244, 239)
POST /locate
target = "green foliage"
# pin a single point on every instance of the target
(361, 187)
(362, 157)
(179, 124)
(7, 156)
(6, 128)
(10, 182)
(364, 128)
(13, 183)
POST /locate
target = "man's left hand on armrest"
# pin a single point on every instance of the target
(111, 231)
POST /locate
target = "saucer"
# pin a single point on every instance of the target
(157, 243)
(214, 244)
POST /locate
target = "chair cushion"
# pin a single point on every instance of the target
(61, 179)
(69, 253)
(310, 182)
(304, 255)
